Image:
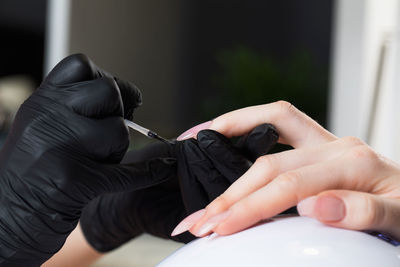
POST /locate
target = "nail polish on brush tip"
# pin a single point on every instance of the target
(192, 132)
(188, 222)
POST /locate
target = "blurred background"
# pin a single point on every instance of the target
(336, 60)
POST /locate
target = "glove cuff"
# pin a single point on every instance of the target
(98, 224)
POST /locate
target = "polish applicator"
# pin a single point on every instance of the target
(146, 132)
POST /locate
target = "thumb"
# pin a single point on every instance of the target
(258, 142)
(135, 176)
(353, 210)
(72, 69)
(78, 68)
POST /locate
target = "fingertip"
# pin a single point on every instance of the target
(325, 208)
(131, 97)
(192, 132)
(209, 224)
(259, 141)
(73, 68)
(306, 206)
(361, 211)
(216, 207)
(215, 143)
(188, 222)
(329, 209)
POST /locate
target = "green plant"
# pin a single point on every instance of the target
(249, 78)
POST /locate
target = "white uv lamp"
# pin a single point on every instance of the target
(287, 241)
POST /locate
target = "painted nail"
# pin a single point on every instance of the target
(188, 222)
(329, 209)
(212, 222)
(306, 206)
(192, 132)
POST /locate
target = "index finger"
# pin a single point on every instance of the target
(294, 127)
(289, 188)
(78, 68)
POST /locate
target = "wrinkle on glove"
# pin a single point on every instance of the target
(62, 151)
(206, 167)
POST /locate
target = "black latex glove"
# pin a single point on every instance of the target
(206, 168)
(62, 152)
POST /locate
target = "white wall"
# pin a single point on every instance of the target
(57, 32)
(363, 28)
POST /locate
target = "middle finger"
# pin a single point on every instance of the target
(268, 167)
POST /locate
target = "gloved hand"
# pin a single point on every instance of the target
(206, 168)
(62, 152)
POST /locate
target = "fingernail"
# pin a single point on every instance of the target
(188, 222)
(329, 209)
(192, 132)
(306, 206)
(212, 222)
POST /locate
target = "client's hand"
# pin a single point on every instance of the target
(205, 169)
(339, 181)
(62, 151)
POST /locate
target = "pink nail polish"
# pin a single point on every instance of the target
(329, 209)
(212, 223)
(306, 206)
(188, 222)
(192, 132)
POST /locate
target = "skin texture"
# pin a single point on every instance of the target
(75, 252)
(322, 169)
(206, 168)
(343, 182)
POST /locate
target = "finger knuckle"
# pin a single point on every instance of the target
(352, 141)
(284, 106)
(372, 213)
(263, 161)
(290, 178)
(219, 204)
(286, 109)
(266, 163)
(289, 182)
(363, 153)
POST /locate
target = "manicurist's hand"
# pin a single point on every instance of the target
(206, 167)
(62, 151)
(340, 181)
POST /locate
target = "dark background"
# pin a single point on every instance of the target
(232, 54)
(22, 31)
(241, 53)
